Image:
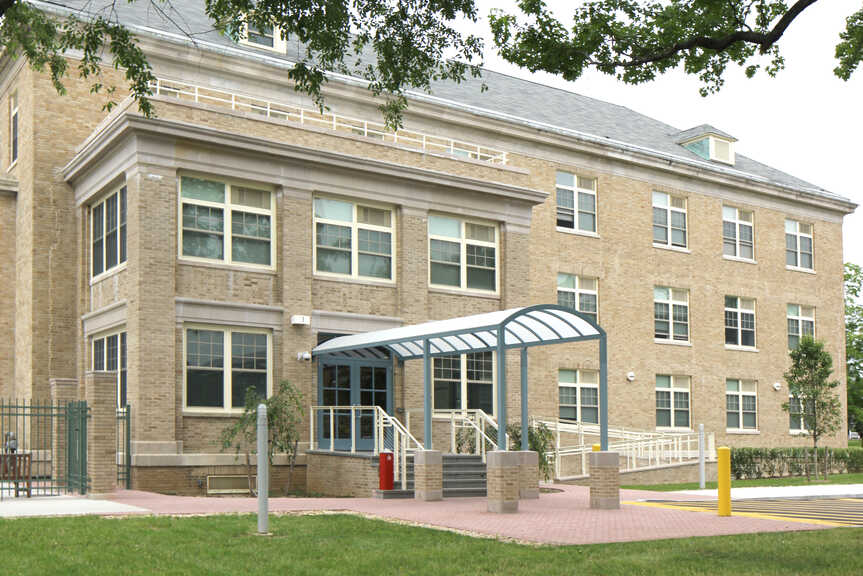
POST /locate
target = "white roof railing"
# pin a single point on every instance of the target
(409, 139)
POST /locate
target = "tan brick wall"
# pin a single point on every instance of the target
(100, 392)
(7, 295)
(428, 475)
(192, 480)
(341, 475)
(503, 481)
(604, 480)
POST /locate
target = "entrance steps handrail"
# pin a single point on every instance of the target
(484, 428)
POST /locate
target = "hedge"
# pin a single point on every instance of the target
(776, 462)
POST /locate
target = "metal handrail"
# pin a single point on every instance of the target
(410, 139)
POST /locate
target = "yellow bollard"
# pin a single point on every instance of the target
(597, 447)
(723, 477)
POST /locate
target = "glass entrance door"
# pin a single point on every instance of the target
(352, 383)
(335, 390)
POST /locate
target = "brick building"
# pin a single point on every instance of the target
(239, 228)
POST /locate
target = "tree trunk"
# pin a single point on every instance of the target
(252, 489)
(815, 458)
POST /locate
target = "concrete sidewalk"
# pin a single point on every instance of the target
(811, 491)
(65, 506)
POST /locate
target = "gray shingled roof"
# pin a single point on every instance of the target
(701, 130)
(518, 100)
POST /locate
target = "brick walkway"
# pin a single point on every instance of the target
(557, 518)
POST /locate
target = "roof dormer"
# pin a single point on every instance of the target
(709, 143)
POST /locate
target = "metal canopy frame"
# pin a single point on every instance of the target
(499, 331)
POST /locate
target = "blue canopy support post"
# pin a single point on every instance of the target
(525, 445)
(427, 395)
(501, 389)
(603, 393)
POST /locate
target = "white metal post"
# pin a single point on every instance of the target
(263, 472)
(701, 456)
(332, 430)
(353, 430)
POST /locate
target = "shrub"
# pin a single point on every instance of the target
(775, 462)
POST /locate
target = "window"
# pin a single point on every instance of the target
(801, 322)
(226, 222)
(462, 254)
(796, 417)
(669, 220)
(581, 215)
(670, 314)
(109, 354)
(739, 321)
(13, 128)
(737, 237)
(798, 245)
(672, 401)
(108, 232)
(578, 394)
(264, 36)
(741, 404)
(580, 293)
(222, 364)
(464, 382)
(353, 240)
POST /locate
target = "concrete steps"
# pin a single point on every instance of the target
(464, 476)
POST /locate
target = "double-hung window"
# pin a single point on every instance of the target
(353, 240)
(801, 322)
(226, 222)
(578, 395)
(672, 401)
(264, 36)
(464, 382)
(670, 314)
(739, 321)
(741, 404)
(462, 254)
(13, 128)
(738, 240)
(798, 245)
(222, 365)
(796, 416)
(669, 220)
(579, 293)
(109, 355)
(576, 202)
(108, 232)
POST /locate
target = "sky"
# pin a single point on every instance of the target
(805, 121)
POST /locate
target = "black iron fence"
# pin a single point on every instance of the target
(124, 447)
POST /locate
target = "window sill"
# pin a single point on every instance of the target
(798, 269)
(741, 348)
(799, 432)
(672, 342)
(352, 280)
(212, 413)
(105, 275)
(673, 248)
(674, 429)
(742, 432)
(462, 292)
(575, 232)
(225, 266)
(738, 259)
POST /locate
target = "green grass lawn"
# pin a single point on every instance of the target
(347, 545)
(788, 481)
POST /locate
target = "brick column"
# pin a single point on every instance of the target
(528, 475)
(605, 480)
(100, 391)
(503, 480)
(428, 475)
(63, 391)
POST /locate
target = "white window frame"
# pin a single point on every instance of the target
(227, 208)
(576, 188)
(672, 389)
(445, 413)
(797, 233)
(578, 386)
(103, 336)
(669, 208)
(738, 222)
(740, 392)
(355, 226)
(227, 367)
(799, 317)
(122, 232)
(739, 310)
(463, 242)
(579, 290)
(14, 130)
(280, 44)
(802, 430)
(672, 300)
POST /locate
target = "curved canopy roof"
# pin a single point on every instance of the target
(522, 327)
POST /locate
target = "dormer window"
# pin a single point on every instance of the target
(709, 143)
(266, 37)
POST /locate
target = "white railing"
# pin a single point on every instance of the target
(387, 434)
(483, 429)
(409, 139)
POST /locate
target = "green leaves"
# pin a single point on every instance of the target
(810, 386)
(854, 344)
(849, 51)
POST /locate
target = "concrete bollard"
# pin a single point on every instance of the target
(263, 473)
(723, 476)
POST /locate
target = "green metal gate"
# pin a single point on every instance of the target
(124, 447)
(76, 446)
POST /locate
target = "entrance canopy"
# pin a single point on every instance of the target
(497, 331)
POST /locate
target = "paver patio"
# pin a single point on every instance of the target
(555, 518)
